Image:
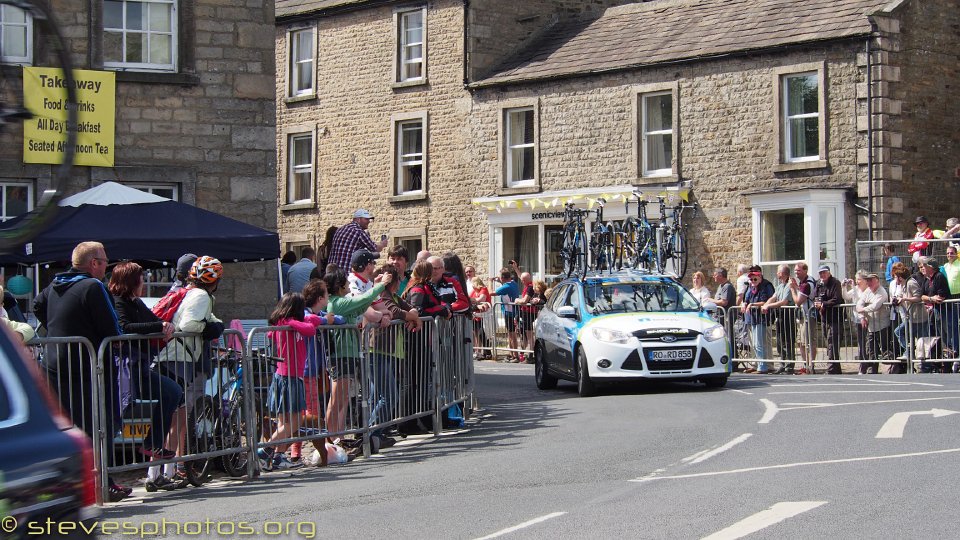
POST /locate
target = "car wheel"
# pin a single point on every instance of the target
(719, 382)
(585, 386)
(545, 381)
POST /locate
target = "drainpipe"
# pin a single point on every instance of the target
(466, 25)
(870, 138)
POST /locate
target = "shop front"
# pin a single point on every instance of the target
(529, 228)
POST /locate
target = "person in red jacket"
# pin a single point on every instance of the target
(924, 232)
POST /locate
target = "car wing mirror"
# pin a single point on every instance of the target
(709, 306)
(567, 312)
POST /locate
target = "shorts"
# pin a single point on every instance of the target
(343, 368)
(808, 332)
(192, 380)
(526, 320)
(286, 394)
(511, 319)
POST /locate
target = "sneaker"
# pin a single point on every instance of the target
(157, 453)
(180, 479)
(265, 460)
(281, 463)
(160, 482)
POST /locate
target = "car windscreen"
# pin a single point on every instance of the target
(648, 296)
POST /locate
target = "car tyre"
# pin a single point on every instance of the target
(545, 381)
(585, 386)
(719, 382)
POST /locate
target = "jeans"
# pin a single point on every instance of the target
(169, 397)
(761, 344)
(908, 341)
(949, 318)
(383, 387)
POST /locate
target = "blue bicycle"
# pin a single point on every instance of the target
(639, 241)
(574, 250)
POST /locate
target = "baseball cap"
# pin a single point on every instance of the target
(921, 219)
(361, 213)
(361, 258)
(823, 268)
(929, 261)
(185, 262)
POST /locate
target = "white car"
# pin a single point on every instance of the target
(627, 326)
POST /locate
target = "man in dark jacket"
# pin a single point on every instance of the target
(934, 289)
(78, 304)
(827, 298)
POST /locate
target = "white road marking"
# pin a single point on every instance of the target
(798, 406)
(877, 383)
(523, 525)
(694, 456)
(871, 392)
(769, 413)
(761, 520)
(906, 382)
(894, 426)
(792, 465)
(741, 391)
(703, 456)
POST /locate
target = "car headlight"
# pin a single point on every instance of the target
(714, 333)
(610, 336)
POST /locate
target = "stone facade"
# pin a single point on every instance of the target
(208, 130)
(726, 125)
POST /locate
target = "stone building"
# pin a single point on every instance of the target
(799, 127)
(194, 113)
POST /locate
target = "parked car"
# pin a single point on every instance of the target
(46, 464)
(627, 326)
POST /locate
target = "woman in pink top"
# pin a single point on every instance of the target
(285, 399)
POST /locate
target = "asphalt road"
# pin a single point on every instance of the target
(768, 456)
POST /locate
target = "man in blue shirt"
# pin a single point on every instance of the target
(891, 260)
(508, 292)
(299, 274)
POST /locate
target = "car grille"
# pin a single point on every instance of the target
(671, 335)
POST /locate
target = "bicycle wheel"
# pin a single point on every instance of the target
(647, 250)
(629, 249)
(568, 251)
(201, 437)
(581, 242)
(598, 252)
(234, 435)
(661, 249)
(680, 253)
(614, 252)
(51, 51)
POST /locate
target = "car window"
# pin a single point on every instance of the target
(648, 296)
(574, 299)
(13, 398)
(559, 297)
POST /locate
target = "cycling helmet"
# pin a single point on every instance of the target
(206, 269)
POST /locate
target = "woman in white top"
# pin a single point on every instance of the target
(699, 291)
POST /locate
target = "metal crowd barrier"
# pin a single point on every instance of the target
(511, 329)
(887, 343)
(870, 255)
(230, 403)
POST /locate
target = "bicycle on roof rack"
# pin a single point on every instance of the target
(49, 49)
(603, 241)
(574, 246)
(672, 237)
(639, 246)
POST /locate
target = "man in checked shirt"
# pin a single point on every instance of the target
(354, 236)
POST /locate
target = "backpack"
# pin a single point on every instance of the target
(167, 307)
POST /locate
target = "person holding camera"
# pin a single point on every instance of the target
(827, 300)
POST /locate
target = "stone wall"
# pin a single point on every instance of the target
(352, 120)
(727, 142)
(925, 59)
(209, 128)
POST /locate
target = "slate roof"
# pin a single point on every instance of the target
(288, 8)
(636, 35)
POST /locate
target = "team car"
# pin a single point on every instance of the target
(627, 326)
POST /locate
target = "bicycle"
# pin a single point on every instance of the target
(574, 250)
(218, 422)
(673, 241)
(602, 241)
(638, 238)
(50, 50)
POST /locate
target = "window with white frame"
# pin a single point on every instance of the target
(801, 117)
(520, 143)
(300, 153)
(302, 62)
(411, 141)
(657, 133)
(16, 198)
(167, 191)
(16, 36)
(140, 35)
(411, 45)
(806, 225)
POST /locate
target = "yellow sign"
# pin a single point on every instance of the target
(45, 96)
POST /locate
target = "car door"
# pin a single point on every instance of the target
(552, 337)
(547, 327)
(568, 329)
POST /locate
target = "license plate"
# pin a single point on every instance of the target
(136, 431)
(671, 354)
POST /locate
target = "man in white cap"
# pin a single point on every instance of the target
(351, 237)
